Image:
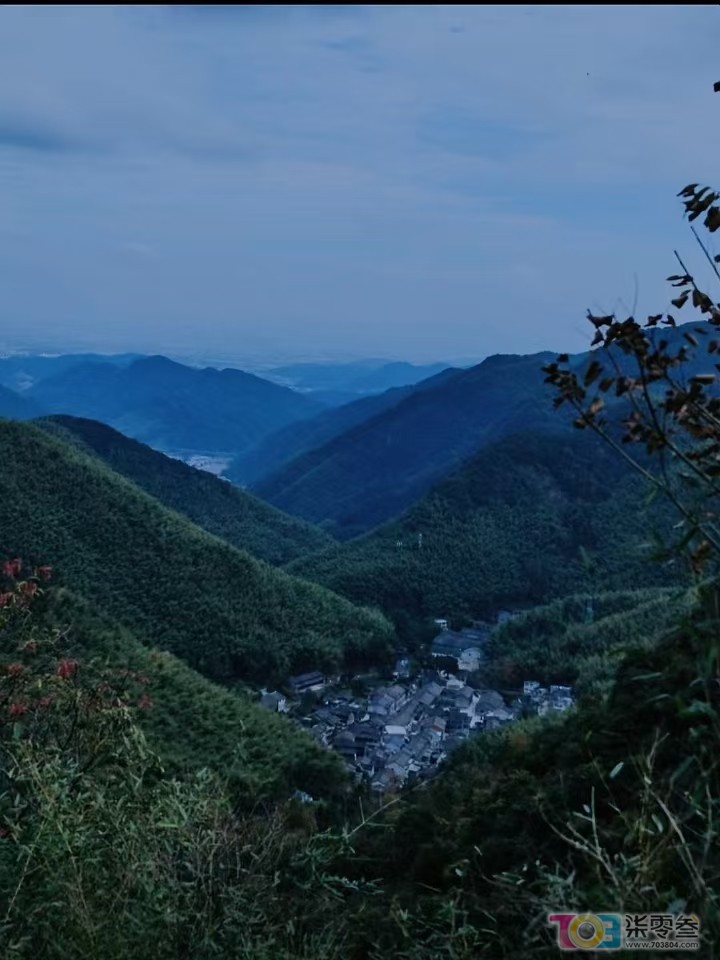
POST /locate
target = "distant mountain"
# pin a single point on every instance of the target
(23, 371)
(14, 406)
(531, 517)
(357, 378)
(173, 407)
(283, 446)
(174, 586)
(215, 505)
(373, 471)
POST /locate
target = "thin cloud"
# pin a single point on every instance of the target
(380, 179)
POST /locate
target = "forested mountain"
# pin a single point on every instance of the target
(372, 472)
(175, 586)
(174, 407)
(22, 371)
(213, 504)
(281, 447)
(17, 407)
(531, 517)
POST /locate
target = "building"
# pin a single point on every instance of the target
(470, 660)
(402, 668)
(304, 682)
(487, 702)
(386, 701)
(273, 701)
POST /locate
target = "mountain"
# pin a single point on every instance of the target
(174, 407)
(529, 518)
(215, 505)
(172, 584)
(353, 379)
(373, 471)
(284, 445)
(23, 371)
(17, 407)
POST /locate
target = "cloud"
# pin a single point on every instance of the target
(429, 180)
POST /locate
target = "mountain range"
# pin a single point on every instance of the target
(174, 407)
(374, 470)
(345, 381)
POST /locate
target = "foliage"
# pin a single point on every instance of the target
(103, 854)
(190, 722)
(580, 640)
(172, 585)
(216, 506)
(528, 519)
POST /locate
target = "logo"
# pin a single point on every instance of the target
(626, 931)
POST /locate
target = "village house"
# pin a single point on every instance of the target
(273, 701)
(386, 701)
(402, 669)
(463, 647)
(305, 682)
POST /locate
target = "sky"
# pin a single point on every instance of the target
(416, 182)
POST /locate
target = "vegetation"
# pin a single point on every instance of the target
(102, 853)
(581, 640)
(528, 519)
(174, 586)
(216, 506)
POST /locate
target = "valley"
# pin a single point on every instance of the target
(359, 482)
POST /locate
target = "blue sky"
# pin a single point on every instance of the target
(427, 182)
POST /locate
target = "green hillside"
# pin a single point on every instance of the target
(177, 587)
(532, 517)
(213, 504)
(192, 722)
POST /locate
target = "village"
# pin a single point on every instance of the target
(400, 731)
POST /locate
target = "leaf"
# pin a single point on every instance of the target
(698, 708)
(616, 769)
